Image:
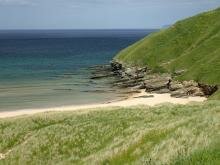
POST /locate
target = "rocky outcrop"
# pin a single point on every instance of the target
(128, 72)
(116, 66)
(157, 82)
(174, 85)
(185, 88)
(208, 89)
(101, 71)
(179, 93)
(101, 75)
(141, 78)
(163, 83)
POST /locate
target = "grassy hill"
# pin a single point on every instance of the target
(192, 44)
(164, 134)
(168, 134)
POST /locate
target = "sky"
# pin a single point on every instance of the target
(98, 14)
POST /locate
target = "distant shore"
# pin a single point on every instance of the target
(142, 98)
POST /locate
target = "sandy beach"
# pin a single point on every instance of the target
(141, 98)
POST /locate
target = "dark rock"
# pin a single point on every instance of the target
(131, 72)
(94, 91)
(140, 72)
(208, 89)
(146, 96)
(100, 67)
(195, 91)
(116, 66)
(134, 73)
(102, 76)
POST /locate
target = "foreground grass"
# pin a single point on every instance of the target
(167, 134)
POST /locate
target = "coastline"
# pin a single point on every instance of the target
(142, 98)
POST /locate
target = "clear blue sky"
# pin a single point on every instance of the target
(97, 14)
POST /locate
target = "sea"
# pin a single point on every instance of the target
(50, 68)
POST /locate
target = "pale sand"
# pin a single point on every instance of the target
(133, 100)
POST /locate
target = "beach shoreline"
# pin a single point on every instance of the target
(142, 98)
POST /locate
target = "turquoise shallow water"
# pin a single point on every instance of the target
(50, 68)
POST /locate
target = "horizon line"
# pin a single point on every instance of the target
(85, 29)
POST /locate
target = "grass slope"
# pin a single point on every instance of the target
(192, 44)
(167, 134)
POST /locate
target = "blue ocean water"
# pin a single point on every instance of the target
(47, 68)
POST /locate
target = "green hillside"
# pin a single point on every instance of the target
(167, 134)
(192, 44)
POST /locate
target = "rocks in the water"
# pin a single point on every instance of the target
(94, 91)
(129, 83)
(100, 67)
(99, 72)
(99, 76)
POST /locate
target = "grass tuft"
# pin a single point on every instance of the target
(165, 134)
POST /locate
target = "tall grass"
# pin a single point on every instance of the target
(166, 134)
(192, 45)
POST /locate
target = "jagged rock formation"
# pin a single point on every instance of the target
(142, 78)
